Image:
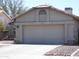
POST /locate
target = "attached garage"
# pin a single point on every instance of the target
(43, 34)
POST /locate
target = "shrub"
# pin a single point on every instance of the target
(2, 27)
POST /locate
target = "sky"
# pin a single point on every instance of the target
(60, 4)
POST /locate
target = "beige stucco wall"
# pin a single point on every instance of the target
(52, 15)
(4, 19)
(58, 16)
(76, 29)
(68, 30)
(31, 16)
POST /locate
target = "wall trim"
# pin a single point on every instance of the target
(31, 23)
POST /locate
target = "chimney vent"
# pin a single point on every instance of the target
(68, 10)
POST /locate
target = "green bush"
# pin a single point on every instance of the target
(2, 27)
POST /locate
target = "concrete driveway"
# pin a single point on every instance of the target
(30, 50)
(11, 51)
(7, 42)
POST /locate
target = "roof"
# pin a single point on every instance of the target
(42, 6)
(1, 11)
(53, 8)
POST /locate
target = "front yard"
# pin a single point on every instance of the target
(21, 51)
(38, 50)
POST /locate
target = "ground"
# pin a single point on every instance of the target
(37, 50)
(6, 42)
(19, 51)
(64, 50)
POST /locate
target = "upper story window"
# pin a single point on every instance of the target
(42, 12)
(42, 15)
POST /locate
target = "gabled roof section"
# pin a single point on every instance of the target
(1, 11)
(53, 8)
(42, 6)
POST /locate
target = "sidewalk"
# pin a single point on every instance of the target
(7, 42)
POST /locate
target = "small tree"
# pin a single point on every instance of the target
(12, 7)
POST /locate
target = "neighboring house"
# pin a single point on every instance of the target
(47, 25)
(5, 18)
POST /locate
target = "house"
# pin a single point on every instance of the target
(4, 18)
(47, 25)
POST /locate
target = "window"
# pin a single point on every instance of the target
(42, 12)
(42, 15)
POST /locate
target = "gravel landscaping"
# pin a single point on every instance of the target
(62, 51)
(77, 54)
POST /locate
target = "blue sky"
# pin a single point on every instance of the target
(60, 4)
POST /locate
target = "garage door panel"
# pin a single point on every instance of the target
(43, 34)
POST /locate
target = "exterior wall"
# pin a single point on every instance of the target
(4, 19)
(52, 15)
(57, 16)
(68, 28)
(76, 29)
(70, 33)
(19, 35)
(31, 16)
